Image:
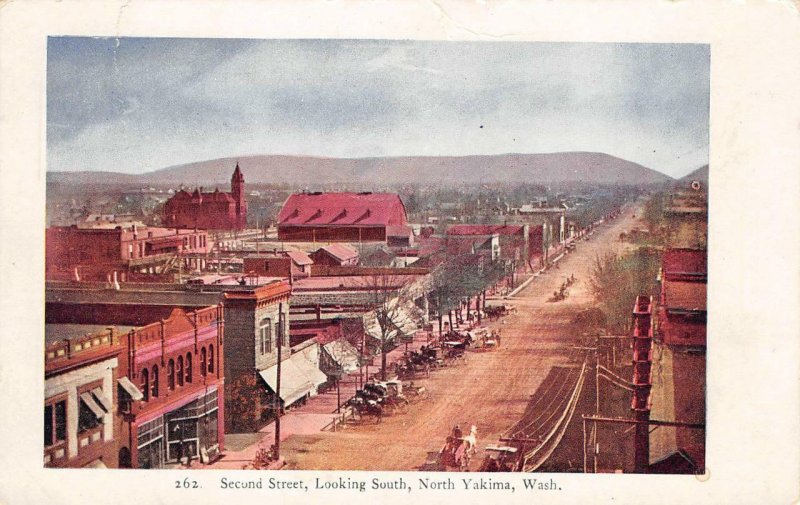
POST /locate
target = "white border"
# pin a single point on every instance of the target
(754, 295)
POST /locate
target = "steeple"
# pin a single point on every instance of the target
(237, 192)
(237, 183)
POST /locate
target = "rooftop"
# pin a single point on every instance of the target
(58, 332)
(364, 209)
(484, 229)
(687, 296)
(342, 252)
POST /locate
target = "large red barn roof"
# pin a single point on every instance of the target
(343, 209)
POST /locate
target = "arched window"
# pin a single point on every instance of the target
(171, 375)
(211, 359)
(188, 367)
(145, 384)
(154, 382)
(203, 364)
(179, 370)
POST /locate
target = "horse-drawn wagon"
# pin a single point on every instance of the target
(499, 458)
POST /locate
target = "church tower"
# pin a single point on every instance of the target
(237, 192)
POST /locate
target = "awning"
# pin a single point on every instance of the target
(93, 406)
(130, 388)
(99, 396)
(98, 463)
(344, 354)
(294, 384)
(307, 361)
(300, 376)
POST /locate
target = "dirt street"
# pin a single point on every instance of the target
(491, 391)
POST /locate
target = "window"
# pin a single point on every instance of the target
(179, 370)
(145, 387)
(265, 336)
(203, 361)
(188, 367)
(211, 359)
(130, 250)
(171, 375)
(55, 423)
(154, 382)
(88, 418)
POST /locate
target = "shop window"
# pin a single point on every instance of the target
(188, 367)
(179, 370)
(211, 359)
(203, 357)
(55, 423)
(171, 375)
(145, 386)
(154, 382)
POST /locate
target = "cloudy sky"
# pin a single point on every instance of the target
(136, 105)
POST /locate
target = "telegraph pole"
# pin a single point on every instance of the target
(278, 410)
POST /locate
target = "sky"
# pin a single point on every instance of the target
(135, 105)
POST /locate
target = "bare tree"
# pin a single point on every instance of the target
(389, 296)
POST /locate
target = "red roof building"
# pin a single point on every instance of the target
(340, 217)
(211, 211)
(336, 255)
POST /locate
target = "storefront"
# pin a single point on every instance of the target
(187, 431)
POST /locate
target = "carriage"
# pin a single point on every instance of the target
(364, 407)
(414, 365)
(391, 396)
(499, 458)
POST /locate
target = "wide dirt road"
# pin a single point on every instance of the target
(491, 391)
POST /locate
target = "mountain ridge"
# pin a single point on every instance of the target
(563, 167)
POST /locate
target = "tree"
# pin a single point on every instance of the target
(617, 280)
(388, 295)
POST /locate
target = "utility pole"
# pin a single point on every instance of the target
(278, 385)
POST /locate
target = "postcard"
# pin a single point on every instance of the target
(432, 253)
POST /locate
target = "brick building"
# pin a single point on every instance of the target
(131, 253)
(134, 396)
(682, 334)
(212, 211)
(81, 423)
(173, 404)
(258, 320)
(341, 217)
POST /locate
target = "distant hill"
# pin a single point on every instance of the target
(593, 168)
(701, 174)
